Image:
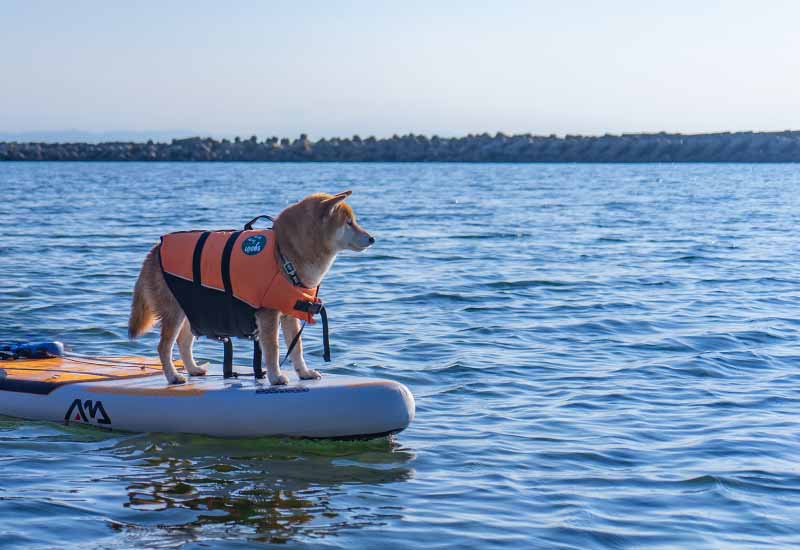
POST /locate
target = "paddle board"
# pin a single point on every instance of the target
(131, 394)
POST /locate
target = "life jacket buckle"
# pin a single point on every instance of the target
(308, 307)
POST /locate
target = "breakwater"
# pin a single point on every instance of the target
(661, 147)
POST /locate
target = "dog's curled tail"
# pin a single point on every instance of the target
(142, 316)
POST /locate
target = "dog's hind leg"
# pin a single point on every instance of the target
(267, 322)
(170, 326)
(291, 326)
(185, 341)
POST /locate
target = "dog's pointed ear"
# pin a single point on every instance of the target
(328, 204)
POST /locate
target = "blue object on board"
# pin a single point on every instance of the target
(32, 350)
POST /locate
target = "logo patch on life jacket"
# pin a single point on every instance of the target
(253, 245)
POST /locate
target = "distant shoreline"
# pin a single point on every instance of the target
(524, 148)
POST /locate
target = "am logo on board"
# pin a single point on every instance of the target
(85, 411)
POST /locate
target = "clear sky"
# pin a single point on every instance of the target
(377, 68)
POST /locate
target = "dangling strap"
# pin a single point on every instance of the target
(326, 344)
(257, 370)
(293, 344)
(227, 359)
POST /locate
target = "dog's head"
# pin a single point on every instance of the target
(329, 219)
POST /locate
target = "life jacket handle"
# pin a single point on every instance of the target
(249, 225)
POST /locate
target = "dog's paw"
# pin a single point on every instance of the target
(279, 380)
(309, 374)
(196, 371)
(177, 379)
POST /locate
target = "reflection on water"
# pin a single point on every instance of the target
(269, 490)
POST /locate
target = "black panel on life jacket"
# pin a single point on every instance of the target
(212, 312)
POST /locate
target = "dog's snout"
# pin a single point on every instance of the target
(372, 240)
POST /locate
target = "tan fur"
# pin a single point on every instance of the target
(310, 233)
(142, 317)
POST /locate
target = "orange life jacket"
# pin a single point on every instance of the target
(220, 279)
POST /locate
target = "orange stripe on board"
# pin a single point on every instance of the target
(182, 390)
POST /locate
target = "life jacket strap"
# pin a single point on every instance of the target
(227, 359)
(257, 370)
(288, 268)
(308, 307)
(226, 263)
(292, 344)
(326, 343)
(197, 256)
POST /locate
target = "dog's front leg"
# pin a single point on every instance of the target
(291, 326)
(267, 323)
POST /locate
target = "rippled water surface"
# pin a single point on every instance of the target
(602, 357)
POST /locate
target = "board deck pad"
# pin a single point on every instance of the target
(57, 371)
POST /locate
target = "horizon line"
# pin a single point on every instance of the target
(121, 136)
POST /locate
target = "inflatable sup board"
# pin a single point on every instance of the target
(131, 394)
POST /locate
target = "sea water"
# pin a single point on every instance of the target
(603, 356)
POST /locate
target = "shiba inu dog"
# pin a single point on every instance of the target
(309, 234)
